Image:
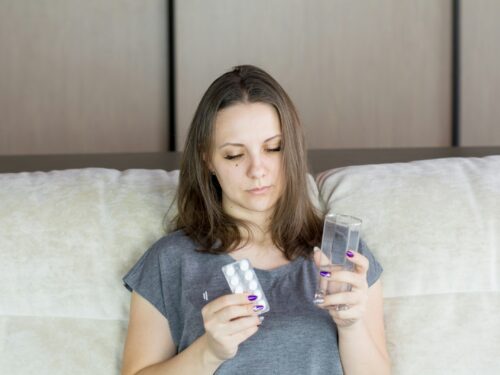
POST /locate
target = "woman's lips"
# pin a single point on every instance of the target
(258, 191)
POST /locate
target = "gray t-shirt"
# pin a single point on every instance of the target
(296, 336)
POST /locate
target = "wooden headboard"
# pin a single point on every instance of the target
(319, 160)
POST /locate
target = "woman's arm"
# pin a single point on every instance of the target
(362, 345)
(361, 330)
(228, 320)
(149, 348)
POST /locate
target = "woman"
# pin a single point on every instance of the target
(243, 194)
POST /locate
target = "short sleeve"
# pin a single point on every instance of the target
(145, 278)
(375, 269)
(156, 277)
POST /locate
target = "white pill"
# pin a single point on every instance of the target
(235, 280)
(249, 275)
(238, 289)
(230, 271)
(253, 285)
(244, 265)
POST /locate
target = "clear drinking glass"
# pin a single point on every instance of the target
(340, 233)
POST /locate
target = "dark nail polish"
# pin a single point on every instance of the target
(349, 253)
(258, 307)
(325, 273)
(252, 297)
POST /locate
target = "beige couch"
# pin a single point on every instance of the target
(67, 237)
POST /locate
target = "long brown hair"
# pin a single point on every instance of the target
(295, 228)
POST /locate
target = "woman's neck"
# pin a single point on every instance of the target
(258, 236)
(260, 249)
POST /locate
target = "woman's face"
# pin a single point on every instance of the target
(247, 159)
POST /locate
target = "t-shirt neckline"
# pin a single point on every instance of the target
(278, 271)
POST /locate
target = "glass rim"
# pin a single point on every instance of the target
(343, 218)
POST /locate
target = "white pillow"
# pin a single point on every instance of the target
(434, 225)
(67, 238)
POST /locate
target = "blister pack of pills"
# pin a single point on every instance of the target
(241, 278)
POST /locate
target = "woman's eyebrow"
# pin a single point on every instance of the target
(269, 139)
(242, 145)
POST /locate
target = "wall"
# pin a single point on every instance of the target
(91, 76)
(362, 73)
(480, 109)
(82, 76)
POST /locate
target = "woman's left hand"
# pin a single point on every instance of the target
(354, 302)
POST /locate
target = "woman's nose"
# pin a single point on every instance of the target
(257, 168)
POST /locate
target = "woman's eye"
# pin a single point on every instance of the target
(231, 157)
(275, 149)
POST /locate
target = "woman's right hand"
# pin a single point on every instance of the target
(229, 320)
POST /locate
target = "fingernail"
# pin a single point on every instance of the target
(252, 297)
(318, 301)
(258, 307)
(325, 273)
(316, 248)
(349, 253)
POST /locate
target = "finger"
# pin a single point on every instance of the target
(343, 311)
(345, 298)
(236, 326)
(348, 277)
(229, 320)
(226, 300)
(242, 324)
(242, 335)
(360, 261)
(351, 313)
(323, 284)
(233, 312)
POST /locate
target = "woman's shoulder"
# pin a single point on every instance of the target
(175, 249)
(171, 248)
(163, 257)
(175, 239)
(174, 243)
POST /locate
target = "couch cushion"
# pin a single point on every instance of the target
(434, 225)
(69, 236)
(455, 333)
(52, 345)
